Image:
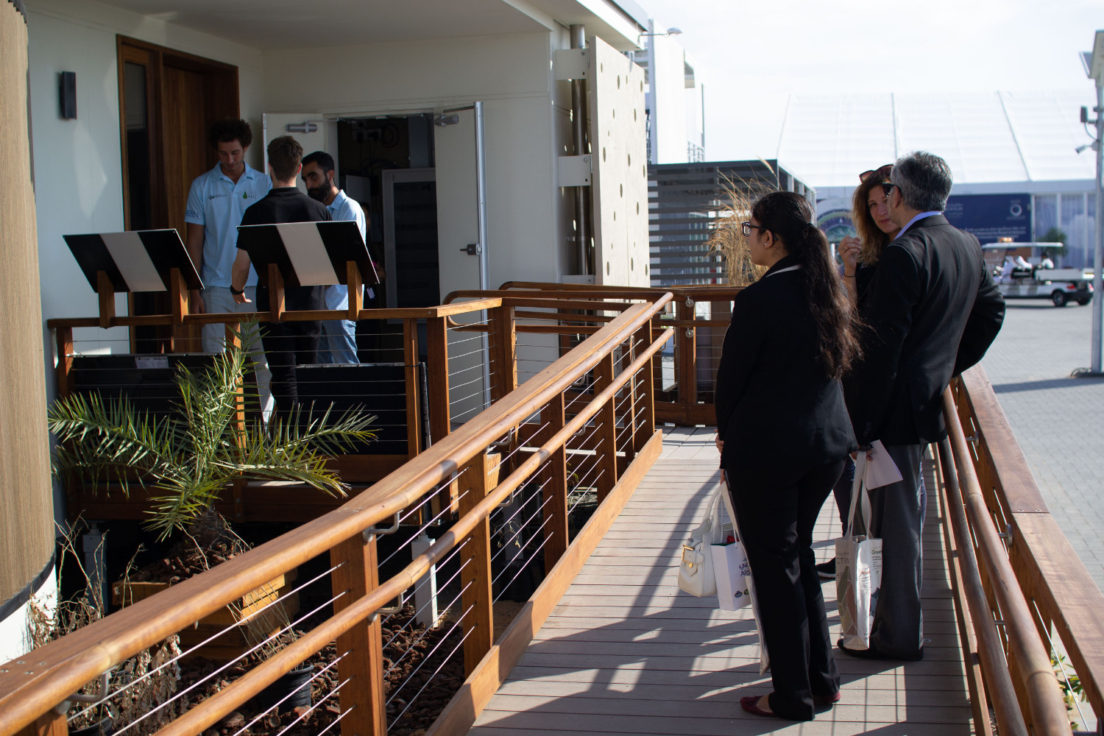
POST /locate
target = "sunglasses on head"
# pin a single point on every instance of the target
(882, 172)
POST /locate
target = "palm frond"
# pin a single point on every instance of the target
(190, 457)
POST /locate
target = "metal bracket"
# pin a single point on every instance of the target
(63, 707)
(375, 530)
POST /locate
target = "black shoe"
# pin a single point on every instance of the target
(873, 653)
(827, 570)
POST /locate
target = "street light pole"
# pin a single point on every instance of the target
(1094, 68)
(1098, 218)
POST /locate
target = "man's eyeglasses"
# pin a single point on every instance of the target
(887, 187)
(882, 172)
(747, 226)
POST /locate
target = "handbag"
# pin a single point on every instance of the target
(858, 568)
(696, 572)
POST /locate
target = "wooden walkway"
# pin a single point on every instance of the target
(626, 652)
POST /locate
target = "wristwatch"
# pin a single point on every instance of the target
(236, 292)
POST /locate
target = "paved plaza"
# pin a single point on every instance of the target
(1058, 420)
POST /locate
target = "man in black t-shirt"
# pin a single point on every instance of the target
(286, 344)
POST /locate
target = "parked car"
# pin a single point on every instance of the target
(1027, 271)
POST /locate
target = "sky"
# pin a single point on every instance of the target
(751, 56)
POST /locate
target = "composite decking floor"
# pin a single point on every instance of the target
(625, 652)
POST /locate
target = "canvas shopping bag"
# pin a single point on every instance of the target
(730, 565)
(858, 568)
(739, 590)
(696, 575)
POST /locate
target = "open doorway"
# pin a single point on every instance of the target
(401, 211)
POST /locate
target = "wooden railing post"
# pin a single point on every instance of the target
(606, 431)
(437, 375)
(356, 573)
(475, 564)
(64, 338)
(413, 395)
(645, 392)
(504, 335)
(555, 485)
(440, 412)
(50, 723)
(686, 369)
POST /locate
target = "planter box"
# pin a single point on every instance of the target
(237, 637)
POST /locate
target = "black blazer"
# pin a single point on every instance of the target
(778, 412)
(931, 312)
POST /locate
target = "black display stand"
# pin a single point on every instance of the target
(310, 254)
(135, 261)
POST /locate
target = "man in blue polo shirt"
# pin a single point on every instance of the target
(215, 205)
(338, 344)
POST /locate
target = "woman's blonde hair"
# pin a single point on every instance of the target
(873, 239)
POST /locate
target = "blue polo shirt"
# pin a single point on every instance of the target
(344, 207)
(217, 202)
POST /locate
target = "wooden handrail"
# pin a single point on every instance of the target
(998, 679)
(1054, 579)
(1045, 709)
(441, 310)
(34, 684)
(256, 679)
(702, 293)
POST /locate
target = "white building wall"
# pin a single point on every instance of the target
(511, 75)
(78, 163)
(668, 82)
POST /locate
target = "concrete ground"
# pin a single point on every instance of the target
(1058, 420)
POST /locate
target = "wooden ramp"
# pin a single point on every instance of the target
(626, 652)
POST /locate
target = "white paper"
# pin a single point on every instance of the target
(880, 468)
(307, 253)
(133, 261)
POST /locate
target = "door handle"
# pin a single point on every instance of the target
(472, 249)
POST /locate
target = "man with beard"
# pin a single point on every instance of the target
(338, 343)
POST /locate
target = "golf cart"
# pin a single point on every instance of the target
(1027, 271)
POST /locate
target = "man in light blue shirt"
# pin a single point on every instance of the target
(338, 344)
(216, 202)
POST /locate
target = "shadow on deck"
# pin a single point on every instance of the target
(626, 652)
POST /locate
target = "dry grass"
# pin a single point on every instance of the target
(152, 674)
(727, 238)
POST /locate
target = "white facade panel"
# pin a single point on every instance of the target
(619, 183)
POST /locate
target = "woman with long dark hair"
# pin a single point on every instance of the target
(783, 432)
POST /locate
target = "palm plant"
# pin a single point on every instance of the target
(188, 457)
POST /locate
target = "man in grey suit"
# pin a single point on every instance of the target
(933, 311)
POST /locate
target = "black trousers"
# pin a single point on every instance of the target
(286, 345)
(776, 524)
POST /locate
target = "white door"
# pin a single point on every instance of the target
(459, 249)
(313, 132)
(460, 253)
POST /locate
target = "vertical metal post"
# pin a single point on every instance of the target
(481, 222)
(1098, 259)
(578, 130)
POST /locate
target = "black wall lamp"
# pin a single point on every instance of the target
(67, 95)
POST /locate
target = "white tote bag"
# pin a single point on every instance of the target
(858, 568)
(730, 564)
(696, 575)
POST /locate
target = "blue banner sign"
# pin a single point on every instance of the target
(991, 217)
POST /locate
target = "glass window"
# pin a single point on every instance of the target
(1046, 215)
(1073, 223)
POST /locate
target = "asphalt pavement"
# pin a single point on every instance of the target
(1058, 420)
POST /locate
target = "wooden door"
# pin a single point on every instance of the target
(167, 102)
